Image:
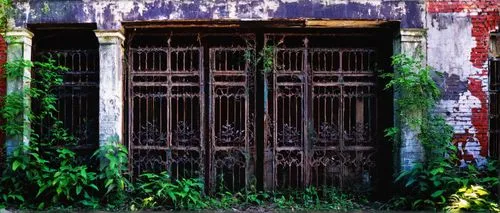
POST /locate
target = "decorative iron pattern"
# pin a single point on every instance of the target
(231, 116)
(321, 113)
(166, 108)
(494, 109)
(77, 102)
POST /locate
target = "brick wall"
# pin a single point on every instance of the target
(3, 59)
(455, 25)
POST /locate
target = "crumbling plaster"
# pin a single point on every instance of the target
(109, 14)
(458, 34)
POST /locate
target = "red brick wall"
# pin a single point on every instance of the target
(484, 15)
(3, 88)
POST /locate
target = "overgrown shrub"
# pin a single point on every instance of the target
(112, 172)
(42, 173)
(430, 184)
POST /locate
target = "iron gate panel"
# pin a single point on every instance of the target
(166, 99)
(167, 113)
(231, 116)
(322, 113)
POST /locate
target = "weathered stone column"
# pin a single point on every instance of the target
(19, 48)
(111, 84)
(409, 42)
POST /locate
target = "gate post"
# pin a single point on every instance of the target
(19, 48)
(410, 150)
(110, 84)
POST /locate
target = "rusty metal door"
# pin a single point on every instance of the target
(321, 113)
(231, 114)
(167, 111)
(166, 99)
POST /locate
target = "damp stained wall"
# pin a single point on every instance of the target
(108, 14)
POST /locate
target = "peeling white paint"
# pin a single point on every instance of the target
(449, 47)
(460, 112)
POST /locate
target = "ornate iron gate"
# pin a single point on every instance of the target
(321, 114)
(231, 113)
(320, 109)
(167, 111)
(166, 99)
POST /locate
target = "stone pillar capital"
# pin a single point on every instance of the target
(109, 36)
(412, 34)
(19, 35)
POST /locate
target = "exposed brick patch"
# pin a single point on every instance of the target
(484, 15)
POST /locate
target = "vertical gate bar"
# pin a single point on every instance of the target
(306, 103)
(212, 169)
(130, 105)
(341, 121)
(168, 111)
(275, 116)
(201, 99)
(247, 102)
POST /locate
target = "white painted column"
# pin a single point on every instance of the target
(411, 151)
(19, 48)
(110, 84)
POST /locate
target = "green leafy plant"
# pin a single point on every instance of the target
(224, 200)
(310, 198)
(5, 13)
(69, 183)
(472, 198)
(252, 196)
(266, 55)
(43, 173)
(13, 106)
(158, 190)
(334, 199)
(155, 190)
(417, 93)
(188, 194)
(285, 202)
(113, 158)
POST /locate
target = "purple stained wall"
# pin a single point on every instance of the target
(108, 14)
